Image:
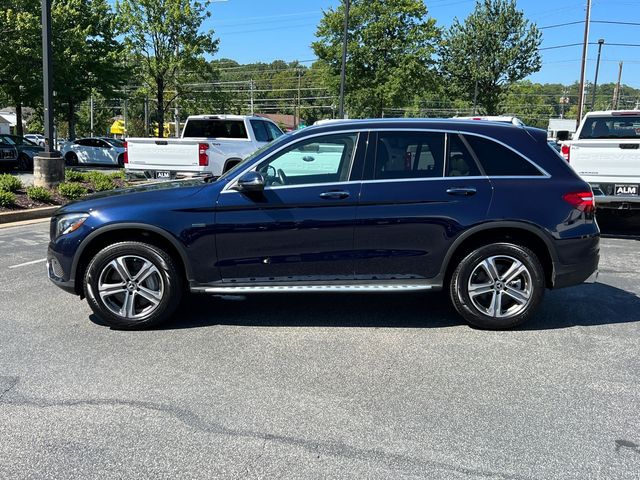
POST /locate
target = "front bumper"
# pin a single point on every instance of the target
(59, 271)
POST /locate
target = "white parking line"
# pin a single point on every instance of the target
(28, 263)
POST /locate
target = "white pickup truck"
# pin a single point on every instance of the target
(210, 145)
(605, 152)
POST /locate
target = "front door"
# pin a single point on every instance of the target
(300, 229)
(420, 190)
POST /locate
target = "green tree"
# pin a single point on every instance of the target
(494, 47)
(86, 54)
(390, 53)
(527, 101)
(20, 57)
(166, 37)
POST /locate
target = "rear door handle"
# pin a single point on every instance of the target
(462, 191)
(334, 195)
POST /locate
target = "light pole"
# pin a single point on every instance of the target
(343, 70)
(595, 80)
(47, 71)
(583, 66)
(48, 166)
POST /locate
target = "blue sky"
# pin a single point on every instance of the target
(265, 30)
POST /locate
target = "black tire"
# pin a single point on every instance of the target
(166, 278)
(25, 164)
(71, 159)
(121, 160)
(497, 308)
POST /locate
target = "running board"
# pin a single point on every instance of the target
(313, 288)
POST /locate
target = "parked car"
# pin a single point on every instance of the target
(210, 145)
(94, 150)
(25, 149)
(36, 138)
(8, 154)
(482, 210)
(605, 152)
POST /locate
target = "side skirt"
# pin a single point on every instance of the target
(363, 288)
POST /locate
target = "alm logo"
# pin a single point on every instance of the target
(626, 189)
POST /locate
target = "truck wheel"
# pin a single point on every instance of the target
(25, 163)
(230, 164)
(121, 160)
(132, 285)
(498, 286)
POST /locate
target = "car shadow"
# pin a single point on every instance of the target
(584, 305)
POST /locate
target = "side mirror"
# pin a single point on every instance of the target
(251, 182)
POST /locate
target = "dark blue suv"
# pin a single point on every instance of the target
(486, 211)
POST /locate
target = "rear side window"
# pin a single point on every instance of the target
(622, 126)
(215, 128)
(460, 163)
(500, 161)
(409, 155)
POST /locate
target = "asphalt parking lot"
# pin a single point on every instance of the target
(319, 386)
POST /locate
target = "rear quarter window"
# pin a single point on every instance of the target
(500, 161)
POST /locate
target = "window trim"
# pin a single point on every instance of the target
(229, 187)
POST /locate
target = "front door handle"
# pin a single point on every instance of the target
(462, 191)
(334, 195)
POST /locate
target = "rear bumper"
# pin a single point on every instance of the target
(134, 174)
(577, 261)
(617, 202)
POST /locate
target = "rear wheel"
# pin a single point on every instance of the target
(132, 285)
(121, 160)
(25, 163)
(498, 286)
(71, 159)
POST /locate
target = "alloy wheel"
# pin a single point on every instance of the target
(131, 286)
(500, 286)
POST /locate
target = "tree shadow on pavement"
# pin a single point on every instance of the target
(584, 305)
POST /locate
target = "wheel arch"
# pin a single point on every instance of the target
(230, 163)
(114, 233)
(519, 233)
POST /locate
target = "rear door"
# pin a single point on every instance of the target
(421, 188)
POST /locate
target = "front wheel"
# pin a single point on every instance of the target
(498, 286)
(132, 285)
(71, 159)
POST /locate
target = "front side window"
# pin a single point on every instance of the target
(409, 155)
(260, 131)
(316, 160)
(500, 161)
(86, 142)
(274, 131)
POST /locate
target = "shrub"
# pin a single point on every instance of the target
(71, 190)
(119, 175)
(101, 184)
(74, 176)
(7, 198)
(39, 194)
(9, 183)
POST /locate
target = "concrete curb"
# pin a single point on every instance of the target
(21, 215)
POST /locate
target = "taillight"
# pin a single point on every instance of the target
(126, 153)
(203, 158)
(582, 201)
(566, 152)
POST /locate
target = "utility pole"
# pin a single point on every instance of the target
(299, 81)
(616, 91)
(124, 113)
(595, 80)
(176, 117)
(146, 116)
(251, 90)
(343, 70)
(91, 108)
(583, 67)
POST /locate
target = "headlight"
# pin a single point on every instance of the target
(69, 223)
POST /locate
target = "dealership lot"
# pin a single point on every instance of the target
(310, 386)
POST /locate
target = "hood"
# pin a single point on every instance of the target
(154, 193)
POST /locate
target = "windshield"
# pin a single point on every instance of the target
(254, 155)
(622, 126)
